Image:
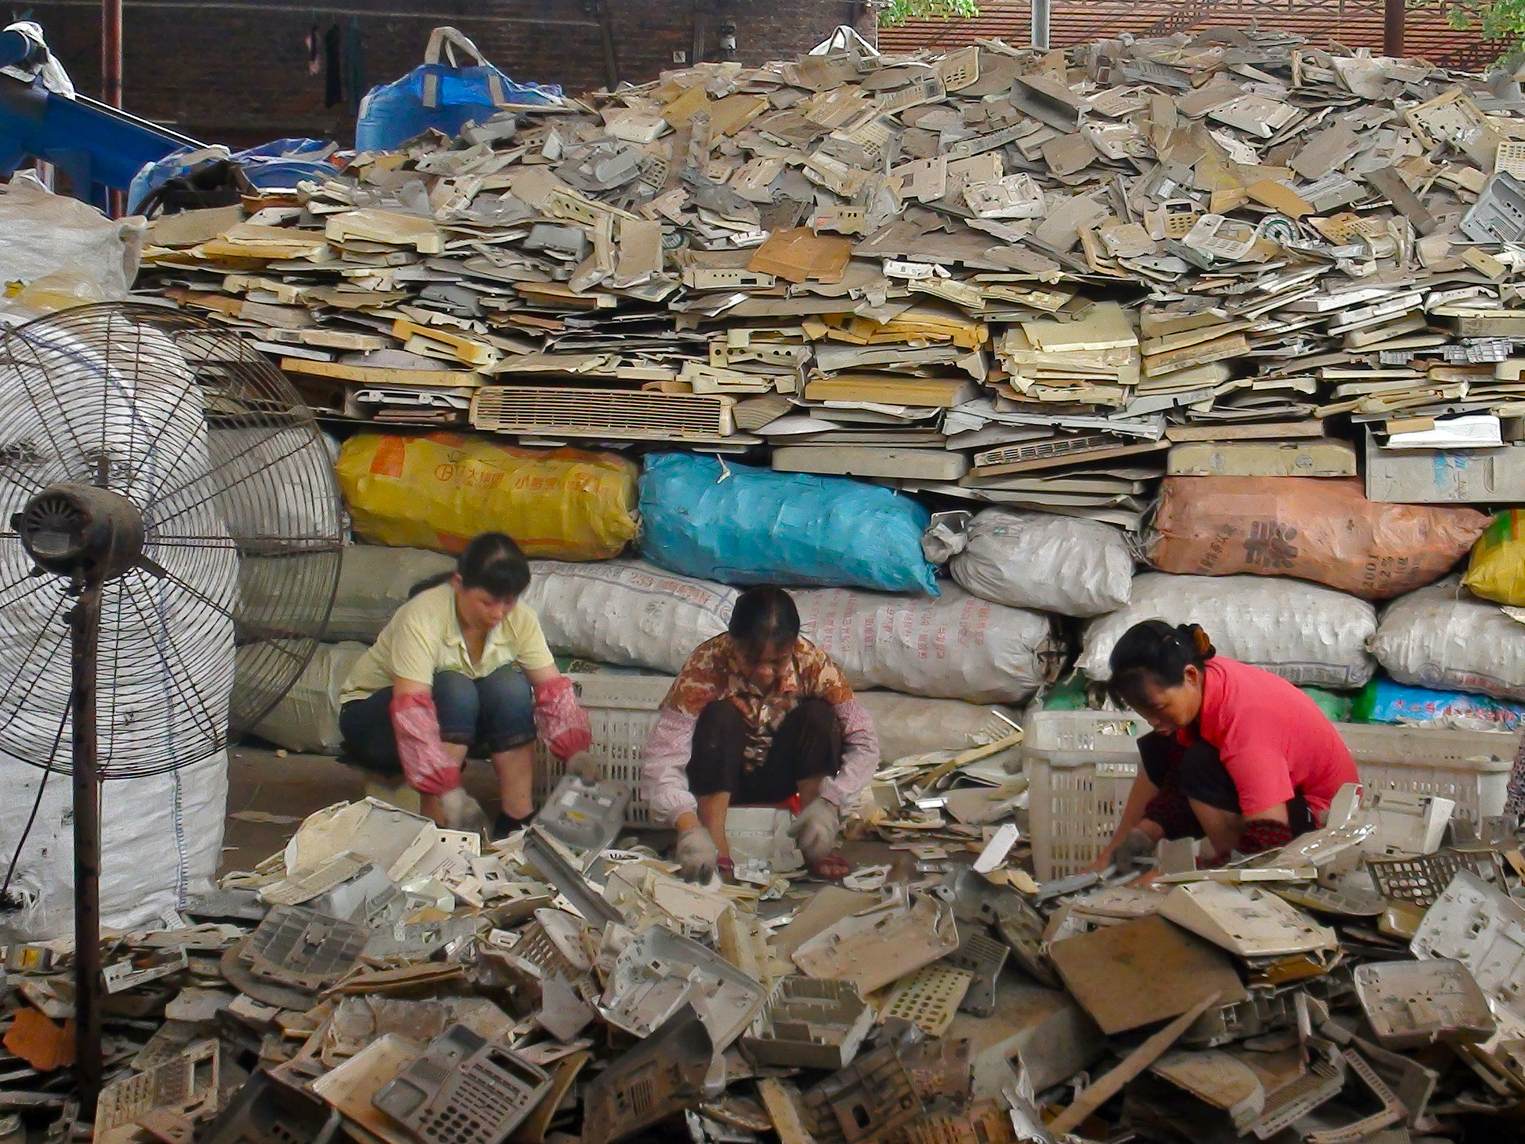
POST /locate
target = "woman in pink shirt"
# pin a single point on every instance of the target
(1237, 755)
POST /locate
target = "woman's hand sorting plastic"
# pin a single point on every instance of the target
(697, 854)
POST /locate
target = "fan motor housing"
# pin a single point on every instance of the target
(81, 530)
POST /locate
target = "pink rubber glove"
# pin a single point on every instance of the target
(426, 766)
(559, 721)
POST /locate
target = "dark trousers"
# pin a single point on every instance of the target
(498, 709)
(1196, 773)
(807, 745)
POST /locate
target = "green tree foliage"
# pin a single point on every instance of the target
(896, 12)
(1494, 19)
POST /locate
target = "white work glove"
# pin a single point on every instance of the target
(462, 812)
(697, 855)
(817, 830)
(1135, 845)
(585, 766)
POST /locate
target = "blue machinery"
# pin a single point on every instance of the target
(96, 146)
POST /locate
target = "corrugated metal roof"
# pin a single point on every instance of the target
(1426, 32)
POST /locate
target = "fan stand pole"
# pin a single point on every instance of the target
(85, 632)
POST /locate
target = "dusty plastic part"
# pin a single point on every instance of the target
(1499, 213)
(541, 852)
(1352, 903)
(564, 1011)
(1220, 237)
(807, 1023)
(363, 899)
(761, 833)
(1246, 921)
(984, 958)
(465, 1089)
(1318, 1086)
(416, 941)
(1142, 971)
(662, 1075)
(862, 1103)
(1392, 1110)
(1219, 1078)
(585, 819)
(551, 945)
(299, 947)
(1484, 929)
(929, 998)
(1407, 823)
(1021, 928)
(132, 972)
(881, 945)
(1412, 1003)
(265, 1112)
(984, 1122)
(939, 1066)
(660, 972)
(187, 1085)
(1262, 1013)
(1422, 880)
(293, 891)
(1413, 1083)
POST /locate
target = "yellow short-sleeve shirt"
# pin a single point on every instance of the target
(424, 638)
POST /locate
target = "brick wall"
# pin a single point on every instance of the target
(236, 70)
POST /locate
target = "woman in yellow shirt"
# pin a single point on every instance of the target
(464, 660)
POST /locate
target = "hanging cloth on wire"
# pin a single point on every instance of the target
(333, 70)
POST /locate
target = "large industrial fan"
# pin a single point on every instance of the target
(172, 552)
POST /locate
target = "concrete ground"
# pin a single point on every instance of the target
(262, 782)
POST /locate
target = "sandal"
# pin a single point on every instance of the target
(818, 867)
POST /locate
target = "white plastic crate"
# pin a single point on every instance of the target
(1470, 767)
(1081, 764)
(622, 709)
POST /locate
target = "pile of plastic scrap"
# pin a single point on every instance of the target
(402, 983)
(997, 274)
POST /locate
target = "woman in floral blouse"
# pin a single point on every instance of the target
(757, 716)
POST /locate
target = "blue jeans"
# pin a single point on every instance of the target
(498, 709)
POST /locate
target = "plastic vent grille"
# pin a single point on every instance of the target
(1511, 158)
(930, 998)
(1042, 450)
(1422, 880)
(634, 415)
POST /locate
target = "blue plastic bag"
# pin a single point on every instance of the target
(281, 163)
(1384, 701)
(743, 525)
(443, 96)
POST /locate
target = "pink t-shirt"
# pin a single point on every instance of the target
(1273, 739)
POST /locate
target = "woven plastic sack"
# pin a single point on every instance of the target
(1312, 528)
(1041, 560)
(1497, 568)
(1444, 637)
(1308, 635)
(439, 490)
(307, 717)
(443, 96)
(954, 647)
(743, 525)
(626, 612)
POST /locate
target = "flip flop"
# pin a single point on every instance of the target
(815, 868)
